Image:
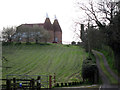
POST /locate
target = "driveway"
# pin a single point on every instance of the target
(106, 84)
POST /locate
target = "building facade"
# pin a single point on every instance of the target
(54, 31)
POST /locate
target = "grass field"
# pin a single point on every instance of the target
(37, 59)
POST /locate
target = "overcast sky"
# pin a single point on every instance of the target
(16, 12)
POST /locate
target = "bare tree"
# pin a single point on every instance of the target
(28, 30)
(106, 16)
(101, 12)
(98, 14)
(37, 33)
(23, 29)
(40, 34)
(46, 35)
(32, 33)
(7, 33)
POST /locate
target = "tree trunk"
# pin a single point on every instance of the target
(117, 60)
(116, 51)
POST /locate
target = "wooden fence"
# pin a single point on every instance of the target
(12, 82)
(31, 82)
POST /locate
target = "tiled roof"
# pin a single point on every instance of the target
(56, 25)
(47, 25)
(38, 24)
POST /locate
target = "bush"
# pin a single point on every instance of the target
(18, 43)
(89, 71)
(73, 43)
(6, 43)
(28, 43)
(44, 44)
(78, 43)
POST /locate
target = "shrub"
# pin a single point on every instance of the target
(6, 43)
(28, 43)
(89, 71)
(73, 43)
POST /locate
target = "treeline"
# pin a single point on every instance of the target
(95, 37)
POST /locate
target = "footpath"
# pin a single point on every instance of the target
(106, 83)
(105, 80)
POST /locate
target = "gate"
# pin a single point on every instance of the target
(15, 81)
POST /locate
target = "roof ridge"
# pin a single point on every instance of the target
(31, 23)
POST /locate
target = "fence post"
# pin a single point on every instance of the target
(8, 84)
(32, 84)
(65, 84)
(54, 79)
(38, 83)
(14, 83)
(50, 81)
(61, 84)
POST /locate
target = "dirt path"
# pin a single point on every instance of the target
(106, 83)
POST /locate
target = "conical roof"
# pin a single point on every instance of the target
(56, 25)
(47, 24)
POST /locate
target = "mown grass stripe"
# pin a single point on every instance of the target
(47, 59)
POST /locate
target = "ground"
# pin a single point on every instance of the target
(109, 78)
(64, 61)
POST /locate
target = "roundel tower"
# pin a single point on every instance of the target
(57, 31)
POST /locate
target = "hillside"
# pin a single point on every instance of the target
(38, 59)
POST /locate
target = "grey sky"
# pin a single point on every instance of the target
(16, 12)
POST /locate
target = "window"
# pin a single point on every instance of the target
(56, 39)
(24, 35)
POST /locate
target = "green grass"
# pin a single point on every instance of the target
(38, 59)
(108, 53)
(110, 77)
(110, 60)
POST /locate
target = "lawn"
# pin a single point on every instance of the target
(38, 59)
